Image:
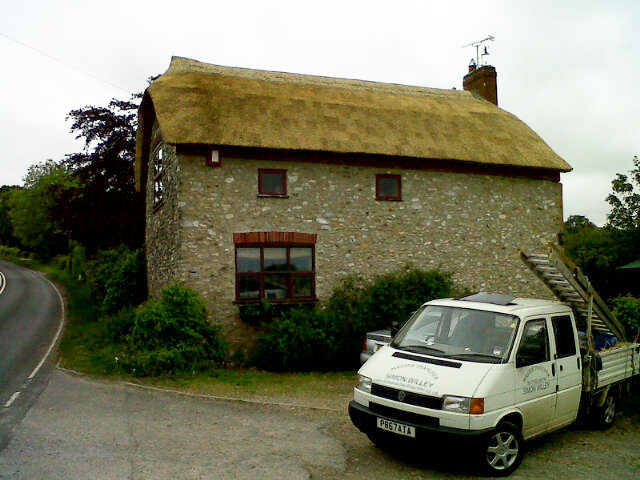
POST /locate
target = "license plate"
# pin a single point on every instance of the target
(399, 428)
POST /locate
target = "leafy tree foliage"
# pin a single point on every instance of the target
(6, 229)
(110, 212)
(40, 212)
(625, 199)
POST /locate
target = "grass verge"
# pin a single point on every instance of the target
(85, 349)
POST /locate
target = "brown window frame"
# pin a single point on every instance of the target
(261, 192)
(285, 240)
(391, 198)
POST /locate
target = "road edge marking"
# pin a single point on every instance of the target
(3, 282)
(57, 336)
(12, 399)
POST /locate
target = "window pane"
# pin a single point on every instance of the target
(301, 259)
(301, 286)
(275, 286)
(272, 182)
(535, 340)
(275, 259)
(248, 259)
(388, 187)
(249, 287)
(565, 339)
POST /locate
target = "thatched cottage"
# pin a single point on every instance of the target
(274, 185)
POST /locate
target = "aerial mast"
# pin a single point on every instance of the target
(477, 45)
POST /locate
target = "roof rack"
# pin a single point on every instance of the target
(571, 286)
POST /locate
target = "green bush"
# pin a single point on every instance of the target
(300, 340)
(117, 278)
(127, 286)
(172, 334)
(330, 337)
(627, 309)
(118, 326)
(9, 253)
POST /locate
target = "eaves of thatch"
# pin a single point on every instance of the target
(196, 103)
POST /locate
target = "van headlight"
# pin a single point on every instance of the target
(453, 403)
(363, 383)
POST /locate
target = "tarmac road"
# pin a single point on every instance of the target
(86, 429)
(30, 321)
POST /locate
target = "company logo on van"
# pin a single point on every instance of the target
(401, 396)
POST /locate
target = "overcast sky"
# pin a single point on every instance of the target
(569, 69)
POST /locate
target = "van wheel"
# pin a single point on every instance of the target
(502, 450)
(606, 414)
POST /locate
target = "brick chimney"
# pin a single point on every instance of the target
(482, 81)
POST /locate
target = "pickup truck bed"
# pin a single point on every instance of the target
(618, 363)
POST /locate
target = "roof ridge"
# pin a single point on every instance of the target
(180, 65)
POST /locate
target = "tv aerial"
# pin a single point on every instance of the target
(478, 44)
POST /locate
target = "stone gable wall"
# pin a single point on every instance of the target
(162, 233)
(469, 224)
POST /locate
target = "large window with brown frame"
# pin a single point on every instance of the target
(275, 271)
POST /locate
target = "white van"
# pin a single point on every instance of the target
(493, 367)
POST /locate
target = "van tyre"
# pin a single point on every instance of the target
(502, 450)
(605, 415)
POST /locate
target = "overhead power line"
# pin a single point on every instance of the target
(66, 64)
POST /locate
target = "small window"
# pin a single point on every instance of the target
(158, 176)
(388, 187)
(213, 160)
(565, 338)
(272, 182)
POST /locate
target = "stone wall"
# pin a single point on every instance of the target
(162, 233)
(469, 224)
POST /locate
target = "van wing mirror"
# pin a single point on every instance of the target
(394, 328)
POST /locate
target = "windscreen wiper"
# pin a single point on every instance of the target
(417, 348)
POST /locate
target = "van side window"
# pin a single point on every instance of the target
(565, 338)
(534, 344)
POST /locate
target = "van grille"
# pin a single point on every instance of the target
(425, 401)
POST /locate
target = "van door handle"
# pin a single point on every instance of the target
(553, 369)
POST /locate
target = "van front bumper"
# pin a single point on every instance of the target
(365, 420)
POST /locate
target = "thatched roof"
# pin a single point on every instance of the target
(199, 104)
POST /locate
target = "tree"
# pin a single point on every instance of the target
(625, 200)
(40, 212)
(110, 211)
(6, 229)
(577, 222)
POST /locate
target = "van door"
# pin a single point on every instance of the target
(535, 377)
(568, 370)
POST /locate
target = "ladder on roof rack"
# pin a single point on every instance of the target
(571, 286)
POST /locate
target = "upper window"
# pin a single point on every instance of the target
(158, 175)
(388, 187)
(272, 182)
(275, 266)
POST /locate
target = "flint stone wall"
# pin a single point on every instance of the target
(472, 225)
